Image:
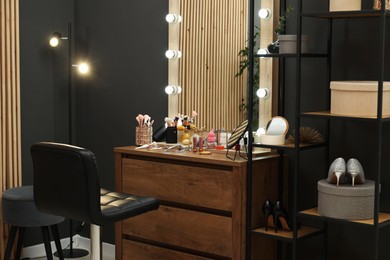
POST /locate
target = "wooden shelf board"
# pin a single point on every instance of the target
(346, 14)
(287, 145)
(303, 231)
(326, 113)
(383, 217)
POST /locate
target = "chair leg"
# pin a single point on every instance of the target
(56, 236)
(10, 242)
(96, 249)
(22, 231)
(46, 241)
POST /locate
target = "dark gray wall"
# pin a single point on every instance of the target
(124, 41)
(43, 82)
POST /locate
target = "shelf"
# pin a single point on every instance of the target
(383, 217)
(291, 55)
(327, 114)
(345, 14)
(289, 146)
(303, 232)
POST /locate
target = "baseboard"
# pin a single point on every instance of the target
(78, 242)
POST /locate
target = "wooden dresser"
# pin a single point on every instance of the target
(202, 204)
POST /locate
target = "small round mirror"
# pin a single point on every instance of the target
(277, 126)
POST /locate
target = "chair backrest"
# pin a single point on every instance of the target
(66, 181)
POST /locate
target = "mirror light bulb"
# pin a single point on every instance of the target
(262, 92)
(172, 89)
(173, 18)
(169, 89)
(260, 131)
(173, 54)
(262, 51)
(264, 13)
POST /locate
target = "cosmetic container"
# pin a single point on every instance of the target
(171, 135)
(143, 135)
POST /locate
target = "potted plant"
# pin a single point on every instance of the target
(286, 43)
(244, 63)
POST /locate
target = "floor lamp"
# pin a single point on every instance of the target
(83, 69)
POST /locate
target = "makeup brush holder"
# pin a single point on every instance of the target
(143, 135)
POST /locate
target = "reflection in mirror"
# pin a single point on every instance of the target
(277, 126)
(210, 36)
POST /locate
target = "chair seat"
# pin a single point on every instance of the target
(19, 209)
(116, 205)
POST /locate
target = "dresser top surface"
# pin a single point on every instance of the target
(216, 157)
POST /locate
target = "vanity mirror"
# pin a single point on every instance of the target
(277, 126)
(210, 36)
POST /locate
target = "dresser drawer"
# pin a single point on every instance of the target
(210, 187)
(139, 251)
(183, 228)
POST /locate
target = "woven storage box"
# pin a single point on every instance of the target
(345, 5)
(358, 98)
(345, 201)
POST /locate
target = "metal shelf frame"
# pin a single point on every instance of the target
(377, 222)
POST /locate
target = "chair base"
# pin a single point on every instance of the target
(75, 253)
(96, 247)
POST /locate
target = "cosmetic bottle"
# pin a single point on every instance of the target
(200, 144)
(194, 141)
(211, 140)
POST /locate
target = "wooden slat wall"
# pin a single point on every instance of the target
(212, 34)
(10, 148)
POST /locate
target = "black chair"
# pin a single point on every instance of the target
(66, 184)
(20, 212)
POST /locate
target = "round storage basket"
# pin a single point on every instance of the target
(346, 201)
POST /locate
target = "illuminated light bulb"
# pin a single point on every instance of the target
(55, 39)
(83, 68)
(264, 13)
(262, 51)
(262, 92)
(54, 42)
(173, 18)
(172, 89)
(260, 131)
(173, 54)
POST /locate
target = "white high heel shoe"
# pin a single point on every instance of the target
(336, 172)
(355, 170)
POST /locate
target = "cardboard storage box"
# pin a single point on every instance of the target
(345, 5)
(358, 98)
(288, 43)
(346, 201)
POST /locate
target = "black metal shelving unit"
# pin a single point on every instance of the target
(381, 219)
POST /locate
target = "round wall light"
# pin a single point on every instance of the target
(262, 92)
(173, 54)
(264, 13)
(172, 89)
(173, 18)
